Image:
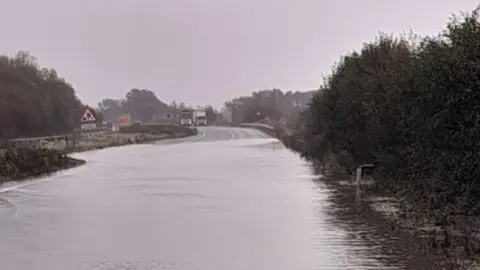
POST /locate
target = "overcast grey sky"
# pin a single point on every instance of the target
(204, 51)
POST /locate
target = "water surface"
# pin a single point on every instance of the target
(228, 198)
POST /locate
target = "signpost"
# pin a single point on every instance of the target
(124, 120)
(88, 120)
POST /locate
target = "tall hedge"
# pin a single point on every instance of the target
(413, 108)
(34, 101)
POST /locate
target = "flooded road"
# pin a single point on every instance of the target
(225, 199)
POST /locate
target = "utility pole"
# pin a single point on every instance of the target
(235, 110)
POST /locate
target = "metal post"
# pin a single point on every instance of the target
(358, 176)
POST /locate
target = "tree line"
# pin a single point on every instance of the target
(268, 105)
(411, 106)
(143, 105)
(35, 101)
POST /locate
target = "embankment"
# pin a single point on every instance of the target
(22, 159)
(17, 163)
(125, 136)
(131, 135)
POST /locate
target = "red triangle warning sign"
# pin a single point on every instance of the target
(88, 117)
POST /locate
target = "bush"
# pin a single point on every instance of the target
(20, 162)
(413, 109)
(34, 101)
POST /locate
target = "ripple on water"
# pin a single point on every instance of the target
(7, 207)
(185, 195)
(368, 233)
(130, 265)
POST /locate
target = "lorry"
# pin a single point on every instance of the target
(200, 117)
(185, 117)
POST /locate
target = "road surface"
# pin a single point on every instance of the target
(228, 198)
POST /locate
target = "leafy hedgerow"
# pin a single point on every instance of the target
(411, 106)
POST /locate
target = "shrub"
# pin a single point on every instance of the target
(413, 109)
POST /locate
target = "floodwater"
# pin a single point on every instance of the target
(228, 198)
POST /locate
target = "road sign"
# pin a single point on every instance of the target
(88, 126)
(88, 117)
(124, 120)
(88, 120)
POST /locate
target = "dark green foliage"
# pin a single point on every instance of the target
(212, 115)
(34, 101)
(272, 104)
(413, 109)
(143, 104)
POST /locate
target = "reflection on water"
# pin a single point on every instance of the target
(394, 247)
(230, 200)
